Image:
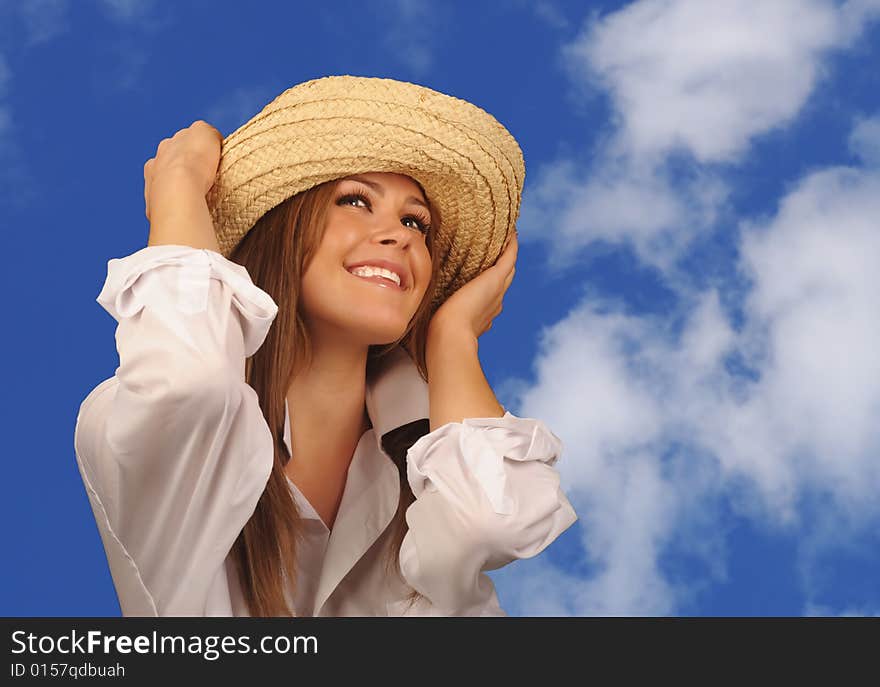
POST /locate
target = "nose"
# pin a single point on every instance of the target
(392, 232)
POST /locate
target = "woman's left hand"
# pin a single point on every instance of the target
(473, 307)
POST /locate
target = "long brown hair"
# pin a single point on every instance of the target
(276, 253)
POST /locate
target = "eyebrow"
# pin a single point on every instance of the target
(378, 189)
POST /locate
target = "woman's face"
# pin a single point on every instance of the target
(388, 222)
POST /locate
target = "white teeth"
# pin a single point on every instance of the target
(375, 271)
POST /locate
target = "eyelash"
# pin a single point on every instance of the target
(421, 220)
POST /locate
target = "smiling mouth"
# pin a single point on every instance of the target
(379, 281)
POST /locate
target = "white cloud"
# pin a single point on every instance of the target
(19, 189)
(550, 14)
(813, 306)
(628, 377)
(535, 588)
(855, 14)
(128, 11)
(865, 140)
(411, 32)
(708, 77)
(621, 202)
(662, 431)
(692, 85)
(43, 20)
(29, 25)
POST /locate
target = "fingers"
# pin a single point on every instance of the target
(148, 177)
(504, 265)
(509, 255)
(511, 247)
(190, 148)
(511, 239)
(211, 127)
(507, 258)
(509, 278)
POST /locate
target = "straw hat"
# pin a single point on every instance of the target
(469, 165)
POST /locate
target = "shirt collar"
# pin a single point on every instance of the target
(396, 394)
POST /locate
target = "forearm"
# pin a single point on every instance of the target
(179, 215)
(457, 387)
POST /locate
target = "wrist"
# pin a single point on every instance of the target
(443, 335)
(179, 214)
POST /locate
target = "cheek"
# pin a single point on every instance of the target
(342, 227)
(338, 234)
(319, 282)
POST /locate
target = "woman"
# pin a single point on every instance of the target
(351, 459)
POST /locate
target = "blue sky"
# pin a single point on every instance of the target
(694, 312)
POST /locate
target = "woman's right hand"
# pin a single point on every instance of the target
(189, 158)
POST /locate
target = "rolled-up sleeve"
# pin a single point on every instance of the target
(487, 493)
(174, 450)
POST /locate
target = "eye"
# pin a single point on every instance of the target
(422, 221)
(353, 196)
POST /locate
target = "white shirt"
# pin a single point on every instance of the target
(174, 453)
